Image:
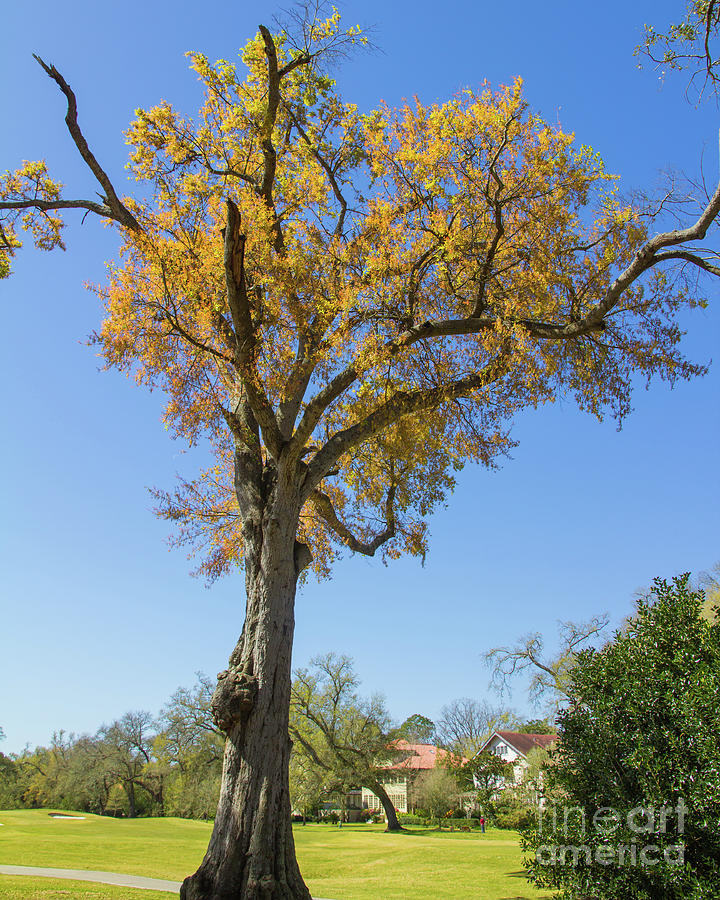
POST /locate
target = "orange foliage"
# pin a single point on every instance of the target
(413, 278)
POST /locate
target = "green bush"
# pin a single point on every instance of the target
(459, 823)
(638, 762)
(514, 816)
(409, 819)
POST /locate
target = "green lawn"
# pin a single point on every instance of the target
(23, 888)
(350, 863)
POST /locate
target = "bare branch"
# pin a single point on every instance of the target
(113, 207)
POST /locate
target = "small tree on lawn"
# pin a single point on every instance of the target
(485, 775)
(437, 791)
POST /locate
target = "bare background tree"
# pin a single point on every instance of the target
(549, 673)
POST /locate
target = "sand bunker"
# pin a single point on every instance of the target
(60, 816)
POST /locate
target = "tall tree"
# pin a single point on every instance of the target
(483, 775)
(437, 792)
(416, 729)
(127, 749)
(189, 750)
(465, 724)
(343, 735)
(349, 307)
(536, 726)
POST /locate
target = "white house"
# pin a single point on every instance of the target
(513, 747)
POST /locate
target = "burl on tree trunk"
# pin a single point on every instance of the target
(251, 855)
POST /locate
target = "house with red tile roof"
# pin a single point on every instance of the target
(408, 762)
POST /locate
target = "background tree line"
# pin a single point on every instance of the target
(137, 765)
(140, 765)
(170, 765)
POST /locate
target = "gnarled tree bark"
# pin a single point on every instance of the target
(251, 854)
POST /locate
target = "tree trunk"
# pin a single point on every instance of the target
(130, 792)
(388, 807)
(251, 855)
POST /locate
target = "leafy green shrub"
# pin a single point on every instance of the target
(636, 775)
(514, 816)
(409, 819)
(462, 822)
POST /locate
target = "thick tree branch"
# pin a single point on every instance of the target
(324, 508)
(427, 330)
(320, 402)
(113, 207)
(649, 255)
(273, 101)
(234, 261)
(400, 404)
(693, 258)
(708, 32)
(48, 205)
(298, 380)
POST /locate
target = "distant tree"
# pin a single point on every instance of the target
(309, 782)
(709, 582)
(342, 734)
(42, 772)
(9, 786)
(639, 737)
(416, 729)
(87, 777)
(186, 722)
(483, 775)
(535, 726)
(465, 724)
(127, 752)
(550, 674)
(189, 750)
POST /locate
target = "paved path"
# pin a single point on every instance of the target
(133, 881)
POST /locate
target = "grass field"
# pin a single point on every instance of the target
(352, 863)
(24, 888)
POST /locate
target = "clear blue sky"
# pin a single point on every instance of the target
(97, 616)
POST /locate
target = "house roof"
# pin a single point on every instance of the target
(418, 756)
(524, 743)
